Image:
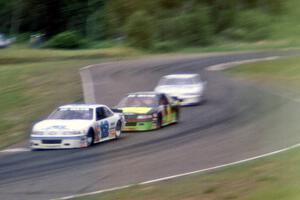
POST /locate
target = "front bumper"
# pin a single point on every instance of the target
(45, 142)
(139, 126)
(188, 99)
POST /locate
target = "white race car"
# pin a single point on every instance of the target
(187, 88)
(76, 126)
(4, 42)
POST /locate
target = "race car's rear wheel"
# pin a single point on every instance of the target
(177, 115)
(159, 122)
(90, 138)
(118, 129)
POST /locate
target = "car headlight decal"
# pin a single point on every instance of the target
(37, 133)
(144, 117)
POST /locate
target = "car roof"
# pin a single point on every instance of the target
(181, 75)
(146, 93)
(84, 106)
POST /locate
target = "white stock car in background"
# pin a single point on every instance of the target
(4, 42)
(76, 126)
(187, 88)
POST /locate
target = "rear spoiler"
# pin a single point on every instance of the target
(116, 110)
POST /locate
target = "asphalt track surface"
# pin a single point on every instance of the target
(224, 129)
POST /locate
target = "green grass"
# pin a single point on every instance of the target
(21, 54)
(234, 46)
(271, 178)
(283, 74)
(34, 81)
(286, 26)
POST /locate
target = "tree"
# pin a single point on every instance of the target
(139, 30)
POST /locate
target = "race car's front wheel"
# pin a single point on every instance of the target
(118, 129)
(177, 116)
(90, 138)
(159, 122)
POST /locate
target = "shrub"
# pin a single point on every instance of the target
(139, 30)
(223, 14)
(95, 26)
(23, 37)
(65, 40)
(187, 29)
(165, 46)
(196, 29)
(250, 25)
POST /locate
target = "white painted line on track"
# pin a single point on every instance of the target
(14, 150)
(183, 174)
(224, 66)
(96, 192)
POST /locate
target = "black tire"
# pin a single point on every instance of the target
(118, 130)
(159, 121)
(90, 138)
(177, 115)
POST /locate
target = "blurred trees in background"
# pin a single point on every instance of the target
(142, 23)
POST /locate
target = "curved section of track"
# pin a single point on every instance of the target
(224, 129)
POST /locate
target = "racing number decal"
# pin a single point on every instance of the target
(169, 113)
(104, 126)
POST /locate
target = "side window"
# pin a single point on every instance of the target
(100, 114)
(163, 100)
(107, 112)
(170, 100)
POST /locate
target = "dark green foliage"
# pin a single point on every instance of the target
(139, 30)
(96, 26)
(250, 25)
(6, 8)
(186, 22)
(192, 28)
(65, 40)
(169, 4)
(165, 46)
(195, 28)
(223, 14)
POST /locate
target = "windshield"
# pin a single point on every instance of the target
(139, 101)
(178, 81)
(72, 114)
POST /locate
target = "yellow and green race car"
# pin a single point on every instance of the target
(148, 110)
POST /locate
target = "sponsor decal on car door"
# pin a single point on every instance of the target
(104, 127)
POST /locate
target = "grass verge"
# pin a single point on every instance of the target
(21, 54)
(282, 75)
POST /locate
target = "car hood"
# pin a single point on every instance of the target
(136, 110)
(47, 125)
(179, 89)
